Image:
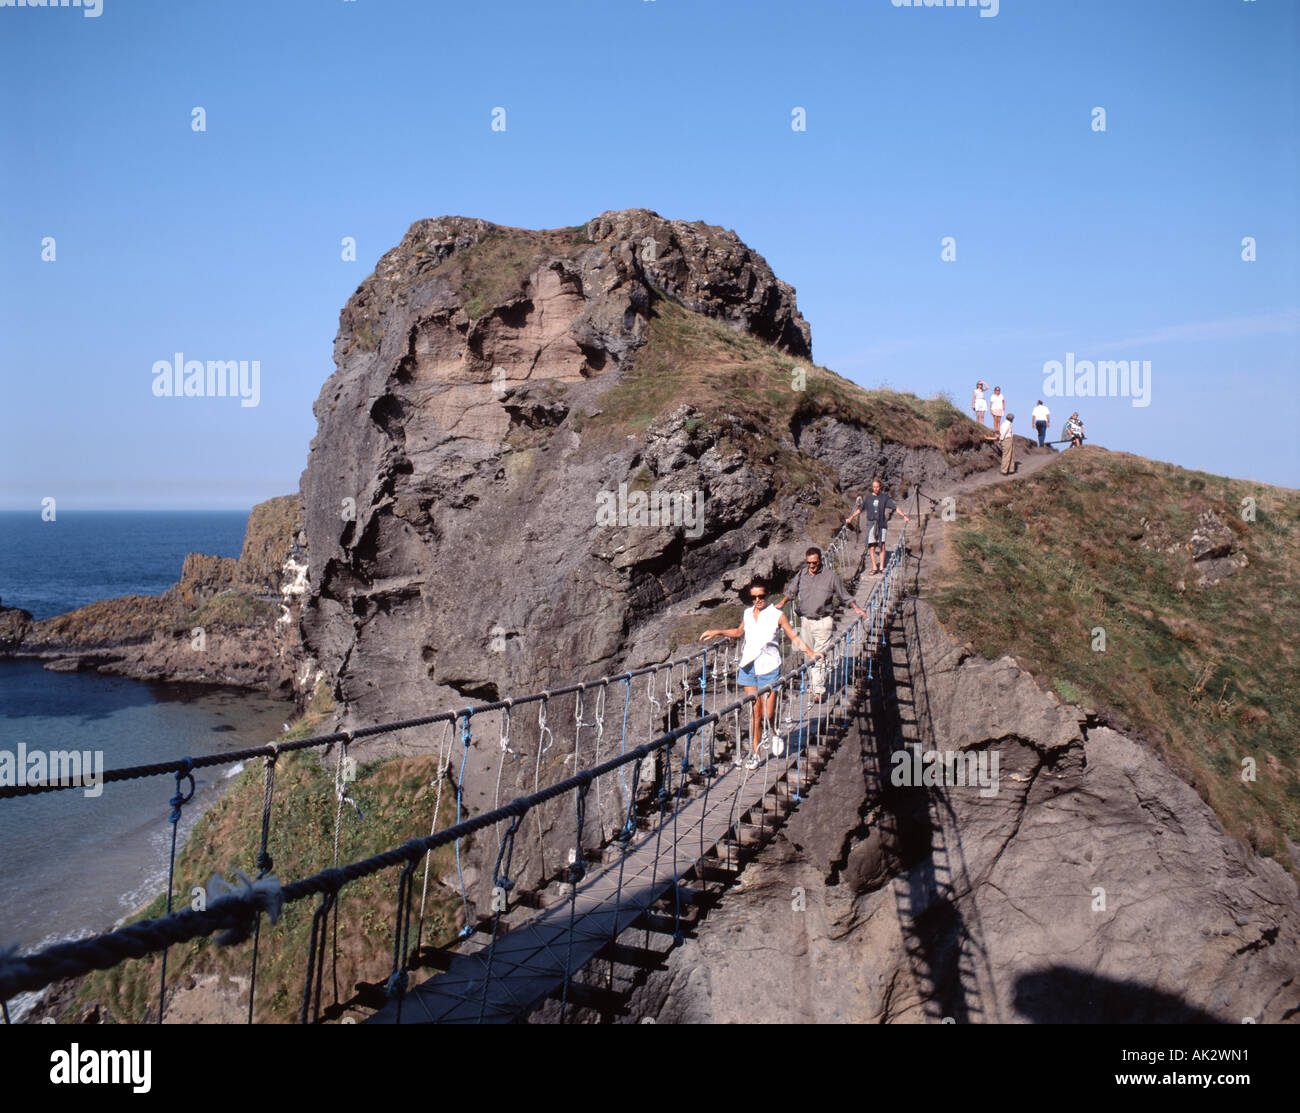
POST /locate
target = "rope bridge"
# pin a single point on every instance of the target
(635, 838)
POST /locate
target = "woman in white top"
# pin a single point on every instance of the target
(760, 662)
(977, 402)
(997, 406)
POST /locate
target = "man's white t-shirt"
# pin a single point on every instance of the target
(1005, 431)
(1041, 413)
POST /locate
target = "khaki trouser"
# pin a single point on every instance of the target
(1008, 455)
(816, 635)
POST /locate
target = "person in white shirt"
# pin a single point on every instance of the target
(997, 406)
(1042, 418)
(977, 402)
(1007, 440)
(760, 662)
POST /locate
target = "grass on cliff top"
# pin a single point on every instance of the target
(127, 618)
(760, 394)
(229, 608)
(494, 269)
(1207, 674)
(396, 797)
(697, 360)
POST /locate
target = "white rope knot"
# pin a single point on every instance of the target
(265, 894)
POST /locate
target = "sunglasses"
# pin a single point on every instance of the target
(763, 596)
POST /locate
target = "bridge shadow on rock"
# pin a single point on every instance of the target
(920, 842)
(1065, 995)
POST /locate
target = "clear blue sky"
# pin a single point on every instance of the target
(334, 118)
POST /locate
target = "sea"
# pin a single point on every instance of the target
(72, 863)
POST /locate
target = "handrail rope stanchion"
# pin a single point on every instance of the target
(177, 802)
(465, 740)
(710, 771)
(622, 746)
(444, 761)
(600, 736)
(578, 724)
(341, 770)
(625, 836)
(577, 870)
(543, 732)
(316, 945)
(800, 740)
(264, 866)
(654, 709)
(842, 688)
(661, 801)
(704, 687)
(734, 813)
(501, 886)
(669, 699)
(677, 809)
(398, 979)
(503, 743)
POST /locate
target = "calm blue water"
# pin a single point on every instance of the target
(73, 864)
(85, 555)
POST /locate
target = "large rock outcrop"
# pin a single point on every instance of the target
(449, 499)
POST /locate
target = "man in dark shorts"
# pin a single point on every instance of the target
(876, 508)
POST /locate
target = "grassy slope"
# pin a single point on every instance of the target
(696, 360)
(1208, 674)
(690, 358)
(396, 798)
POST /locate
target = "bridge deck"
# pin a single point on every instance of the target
(534, 960)
(529, 963)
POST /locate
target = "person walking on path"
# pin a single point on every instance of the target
(997, 406)
(1074, 430)
(878, 507)
(760, 662)
(1007, 440)
(815, 590)
(1042, 418)
(977, 402)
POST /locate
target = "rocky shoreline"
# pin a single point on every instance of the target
(226, 621)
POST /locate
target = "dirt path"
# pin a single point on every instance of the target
(926, 543)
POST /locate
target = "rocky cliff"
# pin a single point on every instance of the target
(1092, 886)
(495, 387)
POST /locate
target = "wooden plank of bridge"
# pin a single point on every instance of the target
(529, 963)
